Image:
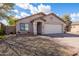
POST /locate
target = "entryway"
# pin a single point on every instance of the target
(39, 28)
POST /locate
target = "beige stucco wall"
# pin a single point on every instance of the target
(75, 28)
(54, 20)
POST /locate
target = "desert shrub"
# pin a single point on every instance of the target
(2, 37)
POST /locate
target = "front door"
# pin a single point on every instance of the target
(39, 28)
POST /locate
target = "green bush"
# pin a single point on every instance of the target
(2, 32)
(2, 37)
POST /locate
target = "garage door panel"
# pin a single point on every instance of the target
(52, 29)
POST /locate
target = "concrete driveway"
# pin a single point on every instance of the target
(67, 39)
(64, 35)
(71, 41)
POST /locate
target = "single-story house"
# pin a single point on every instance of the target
(75, 27)
(40, 24)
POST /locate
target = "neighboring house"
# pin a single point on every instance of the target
(40, 24)
(75, 27)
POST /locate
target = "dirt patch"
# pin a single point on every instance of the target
(33, 46)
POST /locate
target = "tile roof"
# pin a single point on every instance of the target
(44, 15)
(33, 15)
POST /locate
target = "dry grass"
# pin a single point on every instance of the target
(33, 46)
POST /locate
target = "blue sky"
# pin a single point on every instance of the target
(26, 9)
(62, 8)
(58, 8)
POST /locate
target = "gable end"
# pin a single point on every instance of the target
(57, 17)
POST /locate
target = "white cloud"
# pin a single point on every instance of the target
(40, 8)
(22, 15)
(33, 9)
(16, 11)
(74, 16)
(17, 16)
(44, 8)
(4, 22)
(30, 7)
(23, 5)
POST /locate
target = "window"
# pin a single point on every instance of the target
(24, 27)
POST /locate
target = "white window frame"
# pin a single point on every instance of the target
(24, 26)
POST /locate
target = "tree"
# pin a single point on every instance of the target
(68, 22)
(5, 10)
(12, 20)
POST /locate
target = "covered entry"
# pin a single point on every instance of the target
(39, 28)
(38, 25)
